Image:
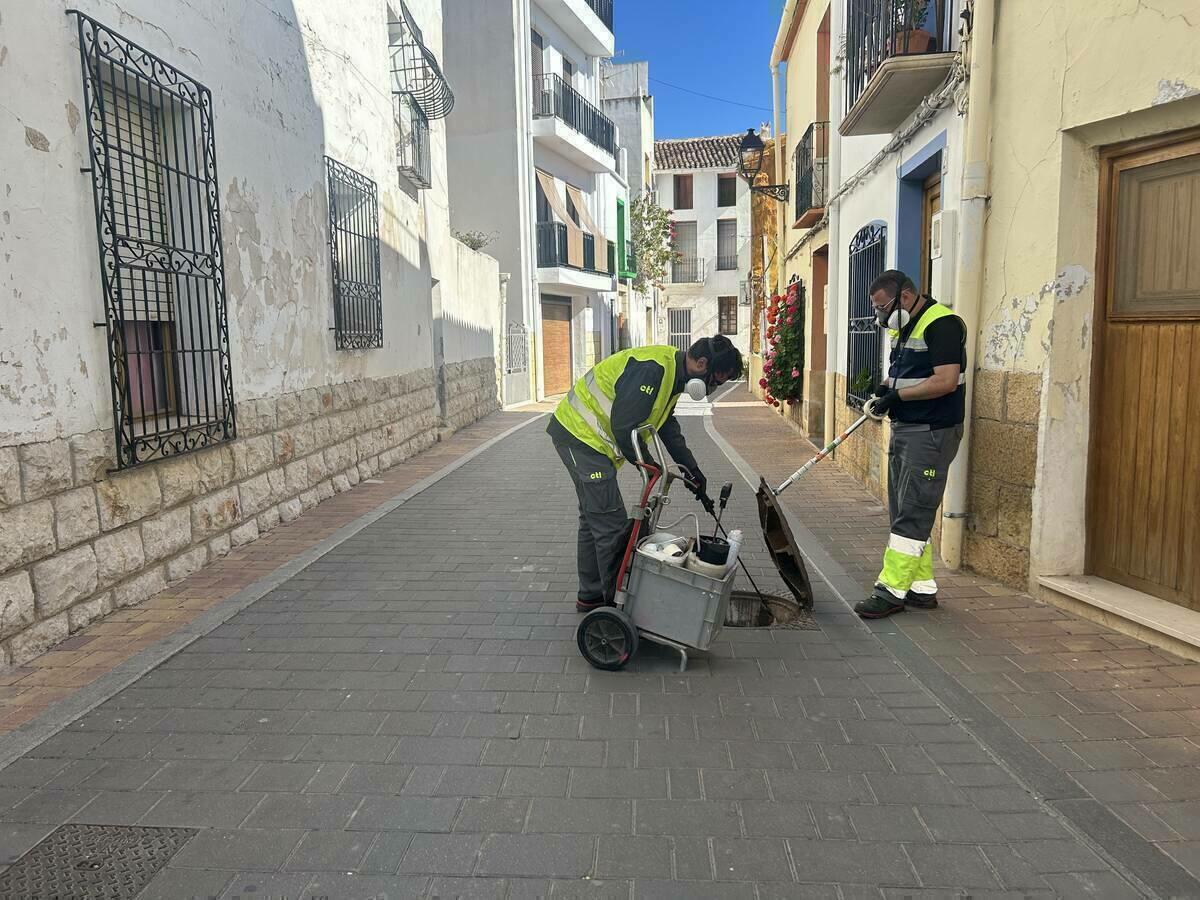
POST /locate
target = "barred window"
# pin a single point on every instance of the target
(154, 179)
(868, 251)
(354, 253)
(727, 315)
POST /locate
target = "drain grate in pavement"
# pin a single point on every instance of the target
(747, 609)
(92, 862)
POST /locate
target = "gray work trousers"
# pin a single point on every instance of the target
(603, 522)
(919, 459)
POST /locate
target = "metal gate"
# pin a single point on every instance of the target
(679, 328)
(864, 352)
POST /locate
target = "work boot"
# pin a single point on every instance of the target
(586, 606)
(879, 605)
(921, 601)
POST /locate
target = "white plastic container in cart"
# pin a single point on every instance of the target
(662, 602)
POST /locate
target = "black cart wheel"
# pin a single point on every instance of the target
(607, 638)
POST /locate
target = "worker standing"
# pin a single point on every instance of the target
(925, 397)
(592, 431)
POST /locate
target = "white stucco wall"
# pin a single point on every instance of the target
(291, 80)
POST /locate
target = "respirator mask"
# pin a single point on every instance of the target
(893, 316)
(696, 388)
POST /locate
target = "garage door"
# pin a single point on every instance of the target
(556, 345)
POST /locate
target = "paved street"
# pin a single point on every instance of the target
(408, 716)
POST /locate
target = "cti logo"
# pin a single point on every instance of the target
(647, 389)
(931, 473)
(596, 476)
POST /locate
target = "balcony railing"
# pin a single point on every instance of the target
(412, 140)
(727, 262)
(612, 258)
(812, 183)
(687, 270)
(630, 259)
(552, 249)
(604, 9)
(878, 30)
(554, 98)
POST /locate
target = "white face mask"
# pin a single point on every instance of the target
(696, 389)
(897, 320)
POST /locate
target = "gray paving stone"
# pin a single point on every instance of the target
(583, 890)
(913, 789)
(550, 856)
(494, 815)
(737, 785)
(49, 807)
(385, 853)
(441, 854)
(951, 865)
(176, 884)
(201, 775)
(1091, 884)
(201, 809)
(755, 859)
(618, 783)
(122, 775)
(243, 849)
(691, 890)
(954, 823)
(628, 857)
(348, 748)
(367, 887)
(316, 812)
(552, 816)
(457, 888)
(523, 781)
(687, 817)
(888, 823)
(117, 807)
(330, 851)
(1049, 857)
(416, 814)
(820, 787)
(1015, 873)
(861, 863)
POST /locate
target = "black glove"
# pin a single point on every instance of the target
(696, 482)
(885, 399)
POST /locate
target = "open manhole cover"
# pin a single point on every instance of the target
(92, 862)
(748, 610)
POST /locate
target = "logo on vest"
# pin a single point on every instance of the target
(596, 476)
(931, 473)
(647, 389)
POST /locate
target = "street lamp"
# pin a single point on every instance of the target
(750, 163)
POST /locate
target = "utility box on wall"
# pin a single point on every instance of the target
(942, 231)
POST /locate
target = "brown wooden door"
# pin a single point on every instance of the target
(1144, 480)
(556, 346)
(932, 204)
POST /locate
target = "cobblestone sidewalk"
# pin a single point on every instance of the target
(408, 716)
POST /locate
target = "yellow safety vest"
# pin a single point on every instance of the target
(586, 411)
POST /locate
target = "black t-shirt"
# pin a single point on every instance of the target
(946, 339)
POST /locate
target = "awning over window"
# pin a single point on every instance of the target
(574, 233)
(589, 224)
(415, 70)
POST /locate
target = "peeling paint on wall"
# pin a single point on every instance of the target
(72, 116)
(1173, 90)
(36, 139)
(1006, 340)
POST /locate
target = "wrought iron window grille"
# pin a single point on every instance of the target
(158, 226)
(868, 251)
(877, 30)
(412, 141)
(811, 160)
(354, 257)
(415, 70)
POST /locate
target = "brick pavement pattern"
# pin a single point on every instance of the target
(409, 716)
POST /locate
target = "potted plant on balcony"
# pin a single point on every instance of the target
(911, 35)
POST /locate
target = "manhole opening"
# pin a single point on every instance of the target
(748, 610)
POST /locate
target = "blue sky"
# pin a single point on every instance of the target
(716, 47)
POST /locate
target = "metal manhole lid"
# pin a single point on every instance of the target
(92, 862)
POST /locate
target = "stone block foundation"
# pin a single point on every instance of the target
(78, 541)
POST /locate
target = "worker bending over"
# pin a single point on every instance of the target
(592, 431)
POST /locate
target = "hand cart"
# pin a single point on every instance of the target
(656, 600)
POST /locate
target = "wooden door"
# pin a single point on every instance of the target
(556, 346)
(932, 204)
(1144, 479)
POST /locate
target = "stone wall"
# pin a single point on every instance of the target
(77, 541)
(864, 454)
(471, 391)
(1003, 463)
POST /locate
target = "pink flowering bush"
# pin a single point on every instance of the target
(783, 362)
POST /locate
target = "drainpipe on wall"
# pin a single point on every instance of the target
(969, 278)
(780, 206)
(832, 279)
